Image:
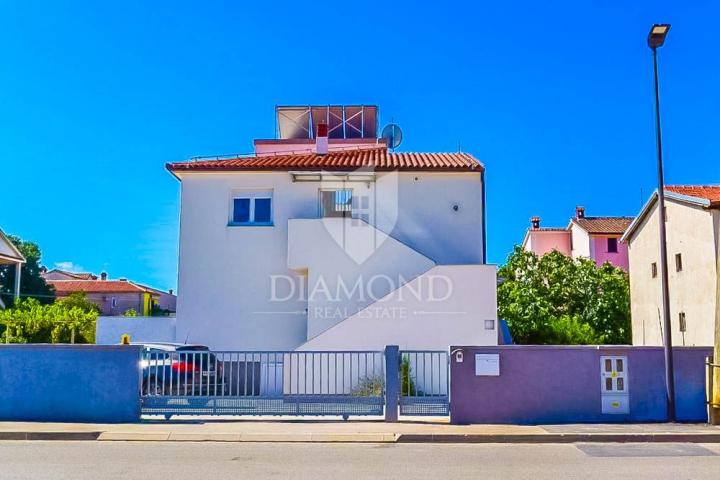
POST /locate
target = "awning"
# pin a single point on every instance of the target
(332, 176)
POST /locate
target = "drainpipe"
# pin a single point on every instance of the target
(484, 221)
(715, 362)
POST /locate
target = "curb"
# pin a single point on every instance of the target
(250, 437)
(563, 438)
(540, 438)
(65, 436)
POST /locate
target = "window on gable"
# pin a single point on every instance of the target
(653, 269)
(251, 208)
(612, 246)
(678, 262)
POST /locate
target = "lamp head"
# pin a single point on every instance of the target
(658, 32)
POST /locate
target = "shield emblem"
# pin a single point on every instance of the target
(359, 210)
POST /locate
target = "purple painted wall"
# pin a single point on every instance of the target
(559, 384)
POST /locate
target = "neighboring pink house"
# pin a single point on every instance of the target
(597, 238)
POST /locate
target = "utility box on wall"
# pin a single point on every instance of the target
(487, 364)
(615, 397)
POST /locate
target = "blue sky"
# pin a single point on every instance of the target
(554, 97)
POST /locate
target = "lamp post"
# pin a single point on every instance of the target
(656, 39)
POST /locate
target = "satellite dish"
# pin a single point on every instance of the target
(392, 134)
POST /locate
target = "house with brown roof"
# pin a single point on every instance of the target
(693, 245)
(113, 297)
(326, 239)
(597, 238)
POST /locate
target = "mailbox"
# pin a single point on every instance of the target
(487, 364)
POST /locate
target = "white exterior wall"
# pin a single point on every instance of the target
(109, 330)
(224, 287)
(692, 232)
(313, 246)
(446, 306)
(580, 242)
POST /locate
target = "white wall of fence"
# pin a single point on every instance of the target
(109, 330)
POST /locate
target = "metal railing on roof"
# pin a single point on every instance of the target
(230, 156)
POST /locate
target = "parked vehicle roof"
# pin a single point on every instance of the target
(168, 346)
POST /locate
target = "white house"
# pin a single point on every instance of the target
(334, 244)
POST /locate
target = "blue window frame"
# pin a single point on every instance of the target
(263, 210)
(241, 210)
(251, 210)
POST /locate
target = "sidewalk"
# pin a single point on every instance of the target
(416, 430)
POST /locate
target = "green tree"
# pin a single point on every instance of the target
(31, 282)
(407, 383)
(29, 321)
(554, 299)
(79, 300)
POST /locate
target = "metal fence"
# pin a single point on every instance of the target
(263, 383)
(424, 382)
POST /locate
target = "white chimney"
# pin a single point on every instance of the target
(321, 139)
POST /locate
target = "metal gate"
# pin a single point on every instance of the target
(424, 382)
(262, 383)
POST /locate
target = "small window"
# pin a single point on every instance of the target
(612, 246)
(653, 269)
(113, 302)
(251, 209)
(683, 323)
(678, 262)
(620, 382)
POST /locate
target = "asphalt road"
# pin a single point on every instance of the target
(146, 460)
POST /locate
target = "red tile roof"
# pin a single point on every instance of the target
(606, 225)
(377, 158)
(66, 287)
(708, 192)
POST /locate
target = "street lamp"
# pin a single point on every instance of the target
(656, 38)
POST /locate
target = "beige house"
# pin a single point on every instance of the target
(10, 255)
(693, 245)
